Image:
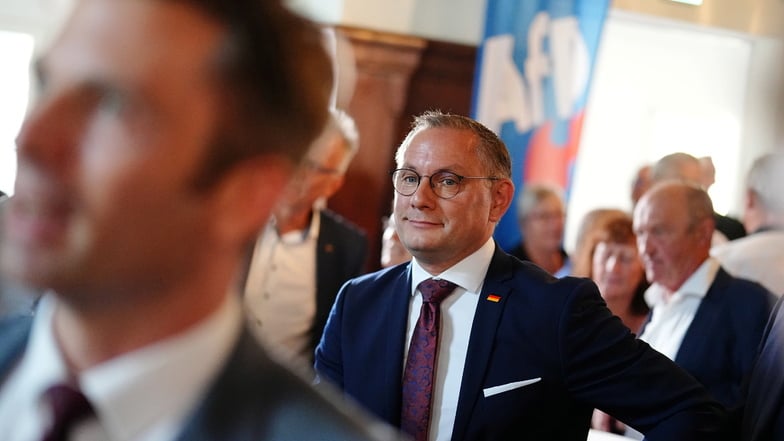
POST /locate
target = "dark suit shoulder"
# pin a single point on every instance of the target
(330, 219)
(256, 398)
(729, 227)
(14, 333)
(534, 279)
(382, 276)
(739, 292)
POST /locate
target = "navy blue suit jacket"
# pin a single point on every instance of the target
(556, 329)
(721, 343)
(252, 399)
(763, 416)
(340, 255)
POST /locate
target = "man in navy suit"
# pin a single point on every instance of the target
(763, 409)
(707, 321)
(306, 252)
(521, 355)
(761, 415)
(163, 134)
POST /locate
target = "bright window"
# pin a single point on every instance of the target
(16, 49)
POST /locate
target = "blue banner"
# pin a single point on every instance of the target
(533, 71)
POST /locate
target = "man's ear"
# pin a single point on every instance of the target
(751, 199)
(246, 196)
(335, 183)
(706, 228)
(503, 192)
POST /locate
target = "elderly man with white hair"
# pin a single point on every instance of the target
(760, 255)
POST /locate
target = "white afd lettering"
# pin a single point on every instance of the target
(506, 94)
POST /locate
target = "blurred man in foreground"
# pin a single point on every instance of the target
(164, 132)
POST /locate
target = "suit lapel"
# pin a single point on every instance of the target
(325, 270)
(492, 300)
(767, 381)
(396, 344)
(15, 334)
(690, 354)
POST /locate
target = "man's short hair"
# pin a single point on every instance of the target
(493, 154)
(765, 179)
(276, 77)
(679, 165)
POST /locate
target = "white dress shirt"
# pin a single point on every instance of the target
(670, 319)
(457, 318)
(280, 293)
(144, 395)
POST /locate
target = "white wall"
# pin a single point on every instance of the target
(460, 21)
(26, 26)
(661, 87)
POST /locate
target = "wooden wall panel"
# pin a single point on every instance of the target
(397, 77)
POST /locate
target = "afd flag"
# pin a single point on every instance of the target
(533, 71)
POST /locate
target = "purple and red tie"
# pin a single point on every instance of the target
(421, 363)
(69, 406)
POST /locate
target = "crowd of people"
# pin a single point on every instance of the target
(167, 276)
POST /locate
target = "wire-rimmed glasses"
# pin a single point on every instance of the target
(445, 184)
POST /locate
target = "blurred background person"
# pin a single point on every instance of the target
(641, 182)
(707, 321)
(610, 257)
(685, 167)
(392, 250)
(760, 255)
(591, 223)
(306, 252)
(708, 172)
(541, 216)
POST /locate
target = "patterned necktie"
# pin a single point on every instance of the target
(69, 406)
(420, 365)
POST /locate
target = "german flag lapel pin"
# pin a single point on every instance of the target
(493, 298)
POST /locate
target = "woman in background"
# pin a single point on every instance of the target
(607, 253)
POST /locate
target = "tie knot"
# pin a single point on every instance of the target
(69, 406)
(435, 290)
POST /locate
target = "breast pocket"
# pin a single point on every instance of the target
(503, 388)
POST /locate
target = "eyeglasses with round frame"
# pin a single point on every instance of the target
(445, 184)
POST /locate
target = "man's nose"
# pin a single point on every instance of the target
(48, 135)
(424, 194)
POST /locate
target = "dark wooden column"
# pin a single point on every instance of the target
(397, 77)
(384, 63)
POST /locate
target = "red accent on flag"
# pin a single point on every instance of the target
(494, 298)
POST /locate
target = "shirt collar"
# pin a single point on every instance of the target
(697, 285)
(468, 274)
(299, 236)
(42, 364)
(162, 382)
(155, 386)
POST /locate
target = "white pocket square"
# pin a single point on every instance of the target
(495, 390)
